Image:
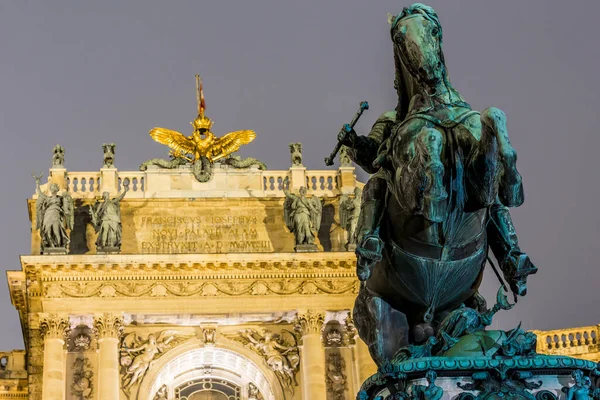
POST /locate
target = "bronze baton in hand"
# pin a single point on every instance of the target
(348, 127)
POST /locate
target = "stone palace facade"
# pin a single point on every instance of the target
(208, 296)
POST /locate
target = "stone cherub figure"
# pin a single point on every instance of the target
(58, 157)
(349, 213)
(302, 217)
(281, 355)
(54, 218)
(109, 154)
(106, 219)
(137, 355)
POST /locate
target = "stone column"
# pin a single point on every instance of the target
(55, 330)
(108, 328)
(312, 356)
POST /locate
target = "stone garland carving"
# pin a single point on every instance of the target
(335, 377)
(82, 386)
(280, 352)
(58, 157)
(109, 154)
(138, 354)
(296, 154)
(211, 288)
(55, 326)
(108, 325)
(349, 213)
(254, 393)
(106, 220)
(302, 217)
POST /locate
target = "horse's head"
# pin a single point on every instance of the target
(417, 36)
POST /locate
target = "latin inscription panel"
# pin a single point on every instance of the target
(209, 228)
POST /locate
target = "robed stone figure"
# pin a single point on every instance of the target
(106, 218)
(54, 217)
(302, 217)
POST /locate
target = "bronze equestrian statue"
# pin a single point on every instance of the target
(443, 178)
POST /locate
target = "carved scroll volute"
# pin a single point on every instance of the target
(54, 326)
(108, 326)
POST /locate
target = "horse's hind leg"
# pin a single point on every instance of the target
(511, 187)
(382, 328)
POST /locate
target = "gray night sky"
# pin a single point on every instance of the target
(83, 73)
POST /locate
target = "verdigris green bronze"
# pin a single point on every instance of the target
(443, 178)
(54, 218)
(106, 219)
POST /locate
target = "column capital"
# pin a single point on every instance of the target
(108, 325)
(54, 326)
(309, 322)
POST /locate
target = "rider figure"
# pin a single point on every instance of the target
(370, 152)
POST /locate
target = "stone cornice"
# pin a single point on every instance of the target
(185, 266)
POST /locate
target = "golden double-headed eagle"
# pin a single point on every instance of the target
(202, 143)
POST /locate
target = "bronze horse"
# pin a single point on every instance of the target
(443, 177)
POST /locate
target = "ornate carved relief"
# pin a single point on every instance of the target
(108, 326)
(309, 323)
(279, 351)
(351, 331)
(82, 386)
(202, 289)
(53, 326)
(254, 393)
(335, 376)
(334, 338)
(138, 354)
(162, 393)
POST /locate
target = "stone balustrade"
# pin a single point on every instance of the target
(581, 342)
(180, 182)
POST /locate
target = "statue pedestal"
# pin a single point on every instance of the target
(306, 248)
(537, 377)
(55, 251)
(108, 250)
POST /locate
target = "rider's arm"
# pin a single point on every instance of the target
(364, 149)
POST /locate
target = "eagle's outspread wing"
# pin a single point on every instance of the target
(231, 143)
(175, 140)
